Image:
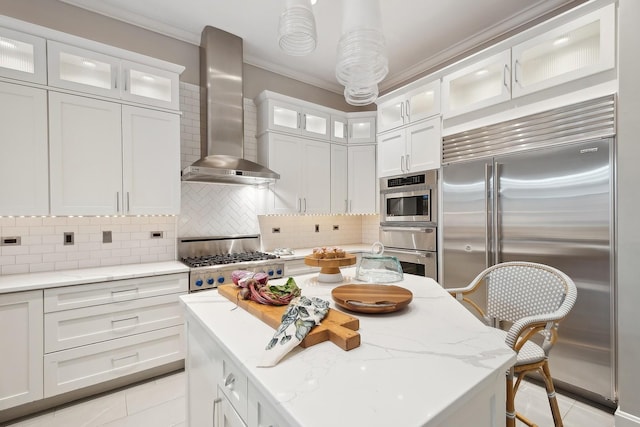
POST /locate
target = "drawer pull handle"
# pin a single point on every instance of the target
(229, 380)
(114, 293)
(136, 318)
(215, 402)
(117, 359)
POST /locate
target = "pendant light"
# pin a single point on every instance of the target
(297, 28)
(361, 58)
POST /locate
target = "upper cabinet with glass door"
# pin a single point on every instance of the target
(481, 84)
(87, 71)
(577, 49)
(412, 105)
(282, 113)
(362, 127)
(23, 56)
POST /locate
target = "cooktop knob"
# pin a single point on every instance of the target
(199, 282)
(221, 279)
(210, 280)
(279, 271)
(270, 273)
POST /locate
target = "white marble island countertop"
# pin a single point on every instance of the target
(419, 366)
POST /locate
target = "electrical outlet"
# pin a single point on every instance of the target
(68, 238)
(336, 227)
(317, 228)
(10, 241)
(275, 230)
(156, 235)
(107, 237)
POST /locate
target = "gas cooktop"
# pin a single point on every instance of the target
(209, 260)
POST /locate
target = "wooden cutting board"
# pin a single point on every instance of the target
(337, 327)
(372, 298)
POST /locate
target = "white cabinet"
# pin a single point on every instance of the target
(219, 392)
(578, 49)
(304, 166)
(85, 156)
(290, 117)
(417, 102)
(21, 335)
(24, 163)
(110, 159)
(97, 332)
(23, 56)
(559, 54)
(339, 179)
(362, 127)
(151, 161)
(88, 71)
(362, 187)
(411, 149)
(353, 179)
(481, 84)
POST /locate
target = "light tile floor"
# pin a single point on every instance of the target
(161, 403)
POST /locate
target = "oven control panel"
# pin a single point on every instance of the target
(208, 278)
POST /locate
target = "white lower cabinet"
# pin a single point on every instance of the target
(21, 353)
(97, 332)
(218, 392)
(79, 367)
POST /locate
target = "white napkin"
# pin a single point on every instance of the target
(301, 315)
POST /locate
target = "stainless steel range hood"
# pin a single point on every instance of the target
(221, 109)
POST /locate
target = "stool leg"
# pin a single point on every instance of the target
(551, 394)
(511, 406)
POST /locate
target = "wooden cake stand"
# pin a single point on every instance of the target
(330, 267)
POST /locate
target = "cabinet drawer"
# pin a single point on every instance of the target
(82, 326)
(234, 386)
(92, 294)
(92, 364)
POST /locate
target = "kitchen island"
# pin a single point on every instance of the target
(430, 364)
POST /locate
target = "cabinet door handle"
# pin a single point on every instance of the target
(126, 79)
(402, 163)
(229, 380)
(408, 110)
(128, 205)
(117, 359)
(115, 79)
(215, 403)
(346, 205)
(515, 72)
(402, 111)
(298, 121)
(505, 75)
(304, 121)
(117, 201)
(305, 204)
(299, 205)
(408, 162)
(125, 319)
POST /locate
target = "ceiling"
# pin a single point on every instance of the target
(420, 34)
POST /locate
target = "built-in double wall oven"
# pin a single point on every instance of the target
(408, 221)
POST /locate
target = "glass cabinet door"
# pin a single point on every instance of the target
(83, 70)
(580, 48)
(283, 117)
(150, 85)
(22, 56)
(478, 85)
(362, 129)
(423, 102)
(315, 123)
(391, 114)
(338, 128)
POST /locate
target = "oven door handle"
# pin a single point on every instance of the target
(408, 229)
(421, 254)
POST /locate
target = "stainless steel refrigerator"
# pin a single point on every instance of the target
(552, 204)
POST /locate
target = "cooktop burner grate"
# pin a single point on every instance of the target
(232, 258)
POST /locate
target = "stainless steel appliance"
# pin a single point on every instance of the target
(415, 248)
(541, 189)
(409, 198)
(408, 218)
(212, 259)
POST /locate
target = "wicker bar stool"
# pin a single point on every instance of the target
(524, 304)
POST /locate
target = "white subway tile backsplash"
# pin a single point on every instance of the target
(15, 269)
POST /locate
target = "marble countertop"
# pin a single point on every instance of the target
(414, 367)
(52, 279)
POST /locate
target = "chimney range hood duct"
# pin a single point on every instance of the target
(221, 146)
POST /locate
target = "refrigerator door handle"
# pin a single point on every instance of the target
(496, 214)
(487, 217)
